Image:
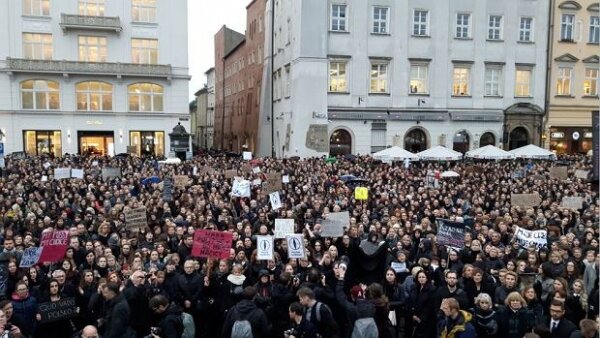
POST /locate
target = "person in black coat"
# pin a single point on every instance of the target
(477, 285)
(117, 314)
(135, 294)
(557, 324)
(451, 290)
(514, 319)
(247, 310)
(171, 325)
(420, 309)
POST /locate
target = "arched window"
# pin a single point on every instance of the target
(145, 97)
(415, 141)
(518, 138)
(40, 95)
(94, 96)
(340, 143)
(487, 139)
(460, 142)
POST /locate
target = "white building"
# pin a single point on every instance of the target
(372, 74)
(92, 76)
(210, 111)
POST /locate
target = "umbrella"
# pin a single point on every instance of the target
(124, 155)
(490, 152)
(533, 151)
(172, 160)
(151, 179)
(346, 178)
(439, 153)
(395, 154)
(450, 173)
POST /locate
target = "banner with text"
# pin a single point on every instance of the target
(136, 219)
(54, 244)
(30, 257)
(527, 238)
(61, 309)
(209, 243)
(284, 227)
(264, 247)
(333, 225)
(451, 234)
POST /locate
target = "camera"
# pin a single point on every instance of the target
(291, 332)
(154, 331)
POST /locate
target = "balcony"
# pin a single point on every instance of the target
(88, 68)
(96, 23)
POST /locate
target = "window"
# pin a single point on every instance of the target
(338, 78)
(563, 81)
(526, 29)
(338, 18)
(38, 142)
(144, 51)
(419, 79)
(495, 27)
(143, 10)
(379, 81)
(91, 7)
(460, 81)
(380, 20)
(92, 49)
(420, 24)
(36, 7)
(40, 95)
(594, 29)
(37, 46)
(523, 82)
(493, 80)
(462, 25)
(566, 27)
(590, 84)
(145, 97)
(94, 96)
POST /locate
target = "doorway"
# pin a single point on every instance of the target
(518, 138)
(96, 143)
(415, 141)
(340, 143)
(461, 142)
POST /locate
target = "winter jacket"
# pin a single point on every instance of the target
(247, 310)
(138, 306)
(117, 319)
(485, 322)
(190, 288)
(171, 325)
(419, 304)
(461, 327)
(514, 324)
(24, 311)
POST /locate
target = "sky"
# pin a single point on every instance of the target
(205, 18)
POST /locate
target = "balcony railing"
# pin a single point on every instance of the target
(93, 68)
(101, 23)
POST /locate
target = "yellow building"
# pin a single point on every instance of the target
(573, 75)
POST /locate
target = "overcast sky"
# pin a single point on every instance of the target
(205, 18)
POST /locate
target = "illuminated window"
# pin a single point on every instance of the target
(36, 7)
(338, 79)
(94, 96)
(145, 97)
(91, 7)
(144, 51)
(92, 48)
(460, 81)
(40, 95)
(419, 79)
(379, 78)
(37, 46)
(143, 10)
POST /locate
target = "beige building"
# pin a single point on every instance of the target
(573, 75)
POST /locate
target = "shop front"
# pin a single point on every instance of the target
(147, 143)
(96, 142)
(570, 140)
(39, 142)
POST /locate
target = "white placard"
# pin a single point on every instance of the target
(284, 227)
(247, 155)
(285, 178)
(77, 173)
(256, 170)
(44, 178)
(295, 245)
(62, 173)
(335, 223)
(257, 181)
(47, 165)
(241, 188)
(94, 163)
(30, 257)
(275, 200)
(527, 237)
(264, 247)
(569, 202)
(195, 172)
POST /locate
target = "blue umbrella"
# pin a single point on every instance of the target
(346, 178)
(151, 179)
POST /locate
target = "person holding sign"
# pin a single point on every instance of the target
(61, 328)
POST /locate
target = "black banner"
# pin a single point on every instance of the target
(451, 234)
(168, 189)
(62, 309)
(596, 142)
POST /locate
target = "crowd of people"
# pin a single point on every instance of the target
(386, 276)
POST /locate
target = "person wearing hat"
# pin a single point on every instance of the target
(264, 289)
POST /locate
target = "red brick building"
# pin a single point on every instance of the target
(238, 77)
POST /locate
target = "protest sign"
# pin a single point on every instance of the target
(180, 181)
(295, 245)
(110, 172)
(30, 257)
(230, 173)
(572, 202)
(167, 194)
(275, 200)
(285, 178)
(257, 181)
(77, 173)
(44, 178)
(247, 155)
(284, 227)
(94, 163)
(208, 243)
(62, 173)
(46, 165)
(583, 174)
(264, 247)
(558, 173)
(333, 225)
(525, 200)
(256, 170)
(241, 188)
(136, 219)
(273, 183)
(207, 170)
(527, 238)
(195, 171)
(361, 193)
(61, 309)
(451, 234)
(54, 244)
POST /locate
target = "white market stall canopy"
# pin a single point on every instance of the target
(490, 152)
(533, 151)
(395, 153)
(439, 153)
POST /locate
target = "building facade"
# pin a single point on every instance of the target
(198, 119)
(359, 76)
(238, 79)
(573, 82)
(210, 108)
(92, 76)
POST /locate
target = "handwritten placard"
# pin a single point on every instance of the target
(451, 234)
(230, 173)
(54, 244)
(136, 219)
(361, 193)
(273, 183)
(559, 173)
(572, 202)
(583, 174)
(527, 238)
(62, 173)
(55, 311)
(180, 181)
(525, 200)
(334, 224)
(30, 257)
(77, 173)
(209, 243)
(284, 227)
(110, 172)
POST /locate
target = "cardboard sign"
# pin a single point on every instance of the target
(572, 203)
(285, 178)
(77, 173)
(295, 245)
(207, 170)
(167, 194)
(61, 309)
(333, 225)
(583, 174)
(273, 183)
(247, 155)
(241, 188)
(559, 173)
(180, 181)
(264, 247)
(525, 200)
(136, 219)
(275, 200)
(361, 193)
(62, 173)
(230, 173)
(208, 243)
(527, 238)
(54, 244)
(284, 227)
(110, 172)
(30, 257)
(451, 234)
(256, 170)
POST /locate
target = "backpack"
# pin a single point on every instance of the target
(241, 329)
(365, 328)
(189, 328)
(329, 327)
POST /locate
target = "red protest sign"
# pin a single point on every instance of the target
(54, 244)
(209, 243)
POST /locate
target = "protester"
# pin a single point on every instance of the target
(246, 311)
